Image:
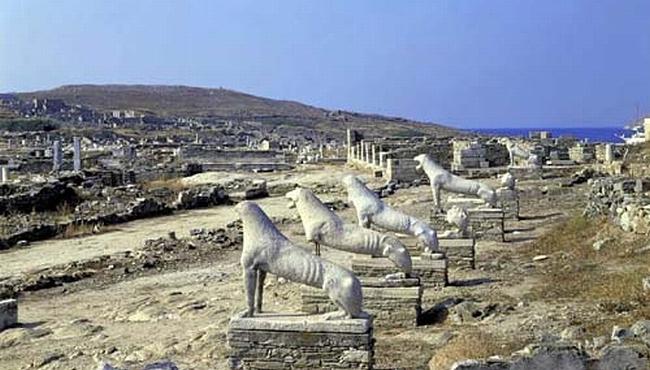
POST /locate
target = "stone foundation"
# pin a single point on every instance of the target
(508, 200)
(459, 252)
(484, 223)
(438, 221)
(394, 303)
(463, 202)
(432, 272)
(487, 223)
(299, 341)
(526, 173)
(8, 313)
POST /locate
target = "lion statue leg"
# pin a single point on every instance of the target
(345, 292)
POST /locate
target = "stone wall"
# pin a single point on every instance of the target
(624, 200)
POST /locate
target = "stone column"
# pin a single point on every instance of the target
(646, 128)
(374, 155)
(57, 156)
(351, 154)
(609, 154)
(359, 151)
(4, 174)
(366, 152)
(382, 159)
(349, 145)
(76, 146)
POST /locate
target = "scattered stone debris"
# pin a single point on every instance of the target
(628, 349)
(625, 201)
(162, 365)
(201, 197)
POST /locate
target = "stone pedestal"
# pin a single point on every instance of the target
(459, 252)
(438, 221)
(487, 223)
(432, 272)
(8, 313)
(484, 223)
(299, 341)
(466, 203)
(508, 200)
(393, 303)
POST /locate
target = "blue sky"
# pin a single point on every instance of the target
(468, 63)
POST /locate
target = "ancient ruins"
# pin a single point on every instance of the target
(162, 242)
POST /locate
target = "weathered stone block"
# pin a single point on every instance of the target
(484, 223)
(393, 303)
(299, 341)
(8, 313)
(508, 200)
(432, 272)
(487, 223)
(459, 252)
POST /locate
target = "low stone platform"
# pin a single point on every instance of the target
(526, 173)
(459, 252)
(508, 200)
(8, 313)
(484, 223)
(432, 272)
(392, 303)
(438, 221)
(487, 223)
(299, 341)
(464, 202)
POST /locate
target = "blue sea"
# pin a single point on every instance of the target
(592, 134)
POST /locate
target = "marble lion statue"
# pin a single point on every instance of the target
(443, 179)
(458, 217)
(372, 211)
(515, 150)
(508, 181)
(322, 226)
(266, 250)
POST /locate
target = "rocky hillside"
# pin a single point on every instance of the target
(184, 101)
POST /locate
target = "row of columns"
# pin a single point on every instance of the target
(366, 152)
(57, 155)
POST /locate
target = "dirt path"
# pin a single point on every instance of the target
(125, 237)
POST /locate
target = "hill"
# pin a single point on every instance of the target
(185, 101)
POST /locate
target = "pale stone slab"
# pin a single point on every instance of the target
(293, 341)
(8, 313)
(300, 323)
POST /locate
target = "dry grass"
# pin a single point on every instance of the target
(64, 212)
(607, 280)
(81, 229)
(474, 344)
